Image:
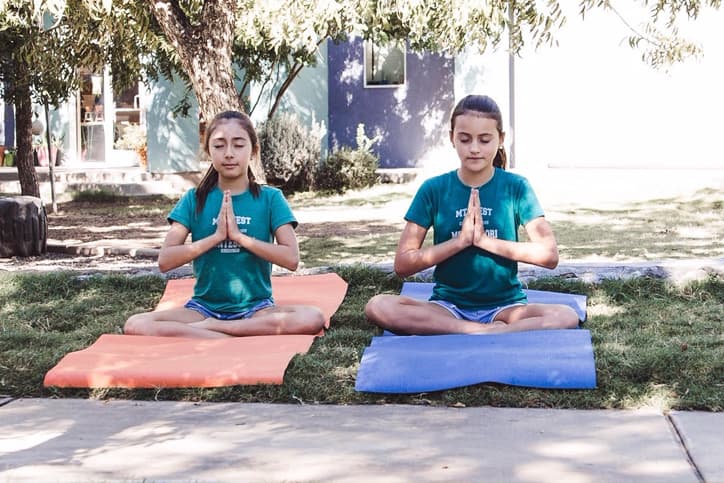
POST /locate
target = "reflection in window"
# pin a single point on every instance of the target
(384, 63)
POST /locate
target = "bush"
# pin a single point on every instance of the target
(349, 169)
(290, 153)
(97, 196)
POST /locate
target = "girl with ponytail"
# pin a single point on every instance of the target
(238, 230)
(475, 212)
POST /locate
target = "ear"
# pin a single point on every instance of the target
(502, 138)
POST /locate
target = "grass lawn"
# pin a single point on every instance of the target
(670, 228)
(656, 344)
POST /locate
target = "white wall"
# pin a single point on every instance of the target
(307, 96)
(591, 101)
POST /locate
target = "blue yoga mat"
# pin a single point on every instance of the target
(553, 359)
(423, 290)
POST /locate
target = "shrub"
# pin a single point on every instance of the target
(97, 196)
(290, 152)
(349, 169)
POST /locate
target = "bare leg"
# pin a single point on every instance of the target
(284, 319)
(534, 317)
(405, 315)
(169, 323)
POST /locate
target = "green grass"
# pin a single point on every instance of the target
(105, 200)
(674, 228)
(376, 196)
(655, 343)
(329, 250)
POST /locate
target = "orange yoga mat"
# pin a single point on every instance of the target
(132, 361)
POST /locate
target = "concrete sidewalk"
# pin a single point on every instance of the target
(75, 439)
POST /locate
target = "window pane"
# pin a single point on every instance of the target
(384, 64)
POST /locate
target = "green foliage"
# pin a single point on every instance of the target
(290, 152)
(347, 169)
(44, 43)
(350, 169)
(98, 196)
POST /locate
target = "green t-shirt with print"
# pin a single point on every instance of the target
(229, 278)
(475, 278)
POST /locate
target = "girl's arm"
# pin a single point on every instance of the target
(541, 250)
(285, 252)
(412, 258)
(175, 253)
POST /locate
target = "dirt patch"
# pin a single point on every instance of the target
(139, 220)
(141, 223)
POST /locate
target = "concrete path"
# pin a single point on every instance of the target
(74, 439)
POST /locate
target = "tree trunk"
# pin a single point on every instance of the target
(23, 227)
(23, 126)
(205, 51)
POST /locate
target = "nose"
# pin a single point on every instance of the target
(229, 152)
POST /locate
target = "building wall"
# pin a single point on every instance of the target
(307, 97)
(173, 141)
(408, 117)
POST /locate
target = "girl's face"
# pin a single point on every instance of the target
(476, 140)
(230, 149)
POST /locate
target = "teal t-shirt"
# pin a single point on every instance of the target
(475, 278)
(229, 278)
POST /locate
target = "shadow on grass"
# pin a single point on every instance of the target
(655, 344)
(676, 228)
(43, 317)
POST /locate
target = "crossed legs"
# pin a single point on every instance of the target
(405, 315)
(183, 322)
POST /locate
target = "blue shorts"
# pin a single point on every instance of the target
(194, 305)
(484, 316)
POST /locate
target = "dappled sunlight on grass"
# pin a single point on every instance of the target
(655, 345)
(374, 196)
(350, 249)
(604, 309)
(657, 229)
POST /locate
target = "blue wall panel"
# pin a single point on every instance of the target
(411, 118)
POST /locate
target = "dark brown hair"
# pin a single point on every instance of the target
(485, 107)
(211, 178)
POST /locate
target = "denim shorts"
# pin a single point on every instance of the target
(194, 305)
(484, 316)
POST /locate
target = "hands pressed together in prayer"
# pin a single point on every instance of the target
(226, 227)
(472, 232)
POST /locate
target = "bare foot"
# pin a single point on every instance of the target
(204, 324)
(493, 327)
